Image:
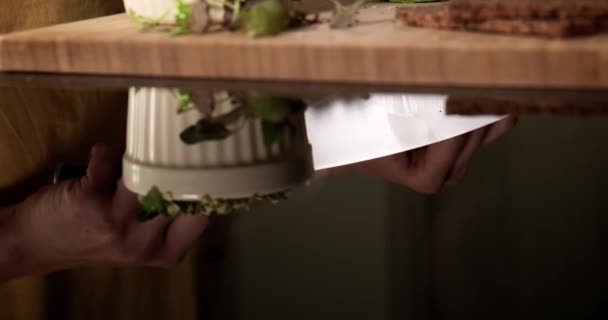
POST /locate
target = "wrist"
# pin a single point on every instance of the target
(17, 257)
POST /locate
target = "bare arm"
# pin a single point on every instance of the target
(89, 222)
(11, 255)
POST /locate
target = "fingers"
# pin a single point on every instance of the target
(101, 172)
(145, 241)
(432, 169)
(121, 240)
(499, 129)
(181, 237)
(475, 139)
(424, 170)
(428, 169)
(464, 159)
(125, 205)
(455, 155)
(161, 242)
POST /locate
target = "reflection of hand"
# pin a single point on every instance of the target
(428, 169)
(91, 221)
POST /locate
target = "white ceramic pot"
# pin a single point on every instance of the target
(165, 10)
(236, 167)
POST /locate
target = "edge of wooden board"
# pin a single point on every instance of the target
(402, 56)
(1, 53)
(109, 82)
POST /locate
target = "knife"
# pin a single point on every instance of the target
(346, 131)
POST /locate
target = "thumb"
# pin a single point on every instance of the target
(102, 172)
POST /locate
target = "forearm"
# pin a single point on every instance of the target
(11, 255)
(19, 256)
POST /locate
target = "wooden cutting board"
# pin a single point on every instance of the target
(377, 51)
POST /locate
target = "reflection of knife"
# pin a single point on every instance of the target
(348, 131)
(359, 129)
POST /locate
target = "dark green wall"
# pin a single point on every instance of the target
(523, 235)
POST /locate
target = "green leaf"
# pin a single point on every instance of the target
(151, 205)
(266, 107)
(153, 200)
(273, 132)
(182, 18)
(265, 18)
(143, 216)
(185, 101)
(204, 130)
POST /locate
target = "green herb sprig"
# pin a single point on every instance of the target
(185, 101)
(146, 23)
(274, 112)
(156, 203)
(255, 18)
(186, 17)
(182, 18)
(344, 16)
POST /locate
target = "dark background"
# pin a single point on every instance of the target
(522, 237)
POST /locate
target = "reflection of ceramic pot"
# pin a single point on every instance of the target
(237, 167)
(165, 10)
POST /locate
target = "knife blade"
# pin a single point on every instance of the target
(346, 131)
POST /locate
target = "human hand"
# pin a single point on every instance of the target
(428, 169)
(92, 222)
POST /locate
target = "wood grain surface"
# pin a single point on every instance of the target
(376, 51)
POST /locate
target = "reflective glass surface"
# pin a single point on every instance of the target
(495, 218)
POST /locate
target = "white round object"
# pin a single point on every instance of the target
(164, 10)
(237, 167)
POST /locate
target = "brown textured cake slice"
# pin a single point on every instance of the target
(545, 28)
(476, 105)
(429, 16)
(442, 16)
(479, 10)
